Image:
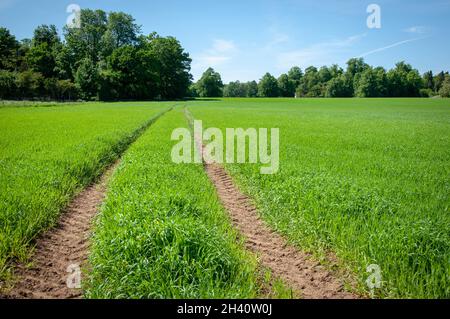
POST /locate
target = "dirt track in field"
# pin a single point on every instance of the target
(307, 278)
(60, 252)
(66, 244)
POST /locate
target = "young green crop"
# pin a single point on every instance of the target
(365, 178)
(162, 232)
(47, 154)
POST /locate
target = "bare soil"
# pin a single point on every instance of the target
(305, 277)
(286, 262)
(68, 243)
(45, 277)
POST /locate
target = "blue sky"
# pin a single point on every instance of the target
(246, 38)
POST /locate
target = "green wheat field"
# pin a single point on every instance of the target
(364, 180)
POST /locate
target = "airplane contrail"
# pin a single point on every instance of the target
(389, 46)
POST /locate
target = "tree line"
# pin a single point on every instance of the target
(105, 58)
(108, 58)
(358, 80)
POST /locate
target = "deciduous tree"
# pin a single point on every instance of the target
(210, 84)
(268, 86)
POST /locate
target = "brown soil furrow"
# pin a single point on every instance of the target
(66, 244)
(62, 251)
(295, 268)
(286, 262)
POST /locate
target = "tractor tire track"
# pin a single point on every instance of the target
(66, 244)
(62, 250)
(295, 268)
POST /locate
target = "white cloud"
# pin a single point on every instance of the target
(212, 60)
(220, 53)
(317, 54)
(220, 45)
(276, 39)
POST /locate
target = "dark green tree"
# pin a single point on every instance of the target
(22, 53)
(286, 86)
(131, 74)
(66, 90)
(42, 59)
(235, 89)
(42, 55)
(444, 91)
(29, 84)
(252, 89)
(324, 75)
(107, 58)
(46, 34)
(338, 87)
(365, 84)
(7, 84)
(86, 41)
(428, 80)
(356, 65)
(268, 86)
(121, 30)
(295, 74)
(335, 71)
(8, 50)
(414, 82)
(173, 66)
(210, 84)
(87, 79)
(404, 81)
(309, 85)
(371, 83)
(438, 81)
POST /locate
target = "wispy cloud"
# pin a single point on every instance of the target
(393, 45)
(220, 45)
(419, 29)
(220, 52)
(319, 53)
(276, 38)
